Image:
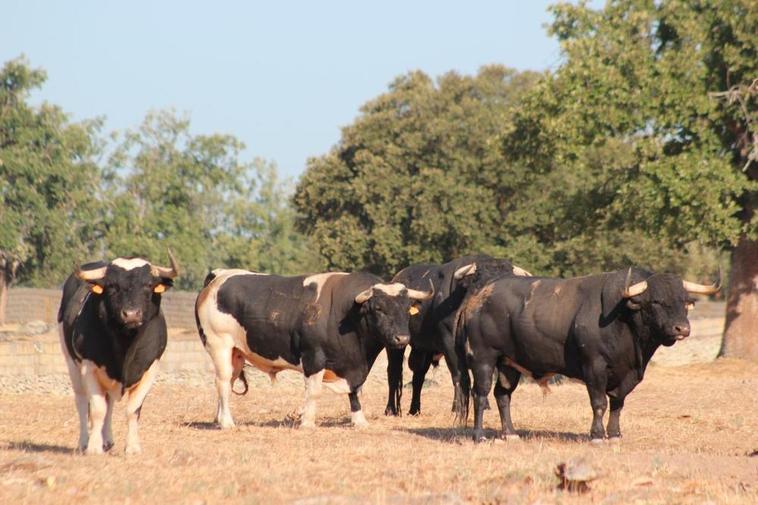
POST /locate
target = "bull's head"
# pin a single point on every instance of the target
(476, 274)
(386, 308)
(662, 300)
(131, 288)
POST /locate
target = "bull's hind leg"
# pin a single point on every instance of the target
(135, 397)
(614, 426)
(507, 381)
(222, 362)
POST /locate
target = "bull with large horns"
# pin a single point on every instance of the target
(600, 329)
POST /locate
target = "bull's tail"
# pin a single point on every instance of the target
(459, 335)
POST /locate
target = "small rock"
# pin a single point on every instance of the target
(575, 475)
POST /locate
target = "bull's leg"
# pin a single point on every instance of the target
(80, 395)
(222, 362)
(507, 381)
(107, 429)
(614, 427)
(356, 413)
(596, 381)
(394, 381)
(482, 385)
(135, 397)
(419, 361)
(312, 392)
(98, 407)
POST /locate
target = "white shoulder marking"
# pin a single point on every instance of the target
(129, 264)
(393, 289)
(319, 280)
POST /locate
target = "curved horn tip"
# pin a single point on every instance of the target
(364, 295)
(465, 270)
(172, 260)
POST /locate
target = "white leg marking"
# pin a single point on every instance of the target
(222, 362)
(98, 407)
(135, 396)
(312, 391)
(358, 419)
(80, 394)
(107, 430)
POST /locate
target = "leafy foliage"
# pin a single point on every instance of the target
(416, 177)
(50, 214)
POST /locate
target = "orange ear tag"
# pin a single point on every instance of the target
(97, 289)
(413, 310)
(160, 288)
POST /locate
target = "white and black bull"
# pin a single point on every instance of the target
(600, 329)
(112, 335)
(328, 326)
(432, 328)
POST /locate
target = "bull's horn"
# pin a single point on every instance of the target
(634, 289)
(464, 271)
(520, 272)
(363, 296)
(702, 289)
(169, 272)
(95, 274)
(415, 294)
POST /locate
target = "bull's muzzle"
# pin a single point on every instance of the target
(681, 331)
(131, 317)
(400, 340)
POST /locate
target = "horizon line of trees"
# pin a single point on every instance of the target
(640, 148)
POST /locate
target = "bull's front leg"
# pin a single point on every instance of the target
(135, 397)
(614, 427)
(596, 381)
(482, 385)
(313, 385)
(356, 412)
(419, 361)
(394, 381)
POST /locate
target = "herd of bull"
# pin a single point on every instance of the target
(489, 318)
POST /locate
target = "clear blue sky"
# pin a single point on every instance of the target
(282, 76)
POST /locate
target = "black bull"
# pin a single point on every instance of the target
(600, 329)
(432, 327)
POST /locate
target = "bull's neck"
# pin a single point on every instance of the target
(645, 343)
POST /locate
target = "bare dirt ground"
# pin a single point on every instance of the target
(690, 436)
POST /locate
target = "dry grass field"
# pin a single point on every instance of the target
(691, 436)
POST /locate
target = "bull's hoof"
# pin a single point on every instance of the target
(479, 437)
(93, 449)
(133, 449)
(414, 412)
(225, 424)
(597, 441)
(107, 446)
(615, 440)
(307, 425)
(391, 411)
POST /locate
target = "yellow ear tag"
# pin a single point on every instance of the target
(160, 288)
(97, 289)
(413, 310)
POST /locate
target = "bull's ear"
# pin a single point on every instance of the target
(612, 295)
(414, 309)
(164, 284)
(95, 288)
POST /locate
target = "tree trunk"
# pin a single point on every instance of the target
(741, 327)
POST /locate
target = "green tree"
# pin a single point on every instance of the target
(171, 188)
(416, 177)
(49, 195)
(635, 148)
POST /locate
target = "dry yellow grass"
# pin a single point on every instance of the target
(689, 433)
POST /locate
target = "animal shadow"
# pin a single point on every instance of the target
(202, 425)
(455, 435)
(29, 446)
